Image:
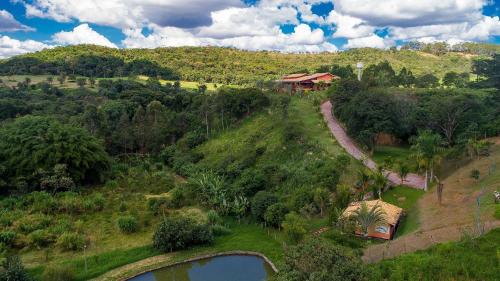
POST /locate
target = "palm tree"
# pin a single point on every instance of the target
(380, 181)
(427, 147)
(368, 217)
(403, 171)
(363, 178)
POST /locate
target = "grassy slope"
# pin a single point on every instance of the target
(405, 198)
(232, 66)
(476, 259)
(266, 130)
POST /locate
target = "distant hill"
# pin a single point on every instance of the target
(221, 65)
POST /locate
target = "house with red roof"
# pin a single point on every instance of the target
(306, 82)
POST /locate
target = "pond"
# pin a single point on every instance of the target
(221, 268)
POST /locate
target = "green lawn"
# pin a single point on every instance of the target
(469, 259)
(405, 198)
(244, 237)
(396, 153)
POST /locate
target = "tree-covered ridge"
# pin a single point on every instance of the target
(220, 65)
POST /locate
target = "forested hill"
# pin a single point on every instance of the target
(220, 65)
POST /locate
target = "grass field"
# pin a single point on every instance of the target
(469, 259)
(244, 236)
(405, 198)
(189, 84)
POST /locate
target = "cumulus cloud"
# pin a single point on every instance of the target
(406, 13)
(372, 41)
(82, 34)
(303, 39)
(130, 13)
(9, 24)
(153, 23)
(12, 47)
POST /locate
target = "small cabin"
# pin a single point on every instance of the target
(392, 215)
(306, 82)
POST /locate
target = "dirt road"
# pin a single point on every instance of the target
(412, 180)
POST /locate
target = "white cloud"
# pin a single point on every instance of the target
(349, 27)
(9, 24)
(303, 39)
(258, 27)
(406, 13)
(372, 41)
(12, 47)
(82, 34)
(130, 13)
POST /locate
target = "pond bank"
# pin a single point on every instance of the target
(167, 260)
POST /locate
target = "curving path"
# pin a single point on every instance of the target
(412, 180)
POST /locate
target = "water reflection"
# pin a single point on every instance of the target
(223, 268)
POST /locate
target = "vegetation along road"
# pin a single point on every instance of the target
(412, 180)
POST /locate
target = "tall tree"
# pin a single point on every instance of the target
(427, 148)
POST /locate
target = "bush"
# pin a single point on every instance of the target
(179, 233)
(40, 238)
(317, 259)
(261, 202)
(58, 273)
(14, 270)
(95, 202)
(31, 223)
(220, 230)
(7, 237)
(71, 241)
(128, 224)
(275, 214)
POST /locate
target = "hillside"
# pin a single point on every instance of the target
(232, 66)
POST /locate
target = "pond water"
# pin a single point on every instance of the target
(222, 268)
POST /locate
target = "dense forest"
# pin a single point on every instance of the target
(377, 105)
(224, 65)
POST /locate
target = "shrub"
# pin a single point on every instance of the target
(40, 238)
(58, 273)
(317, 259)
(112, 184)
(294, 226)
(275, 214)
(14, 270)
(128, 224)
(7, 237)
(34, 222)
(220, 230)
(71, 241)
(179, 233)
(95, 202)
(213, 218)
(70, 203)
(261, 202)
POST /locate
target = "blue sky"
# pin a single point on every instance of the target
(282, 25)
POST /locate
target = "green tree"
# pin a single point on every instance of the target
(275, 214)
(427, 149)
(367, 217)
(261, 201)
(14, 270)
(319, 260)
(403, 170)
(30, 143)
(294, 226)
(178, 233)
(321, 197)
(427, 81)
